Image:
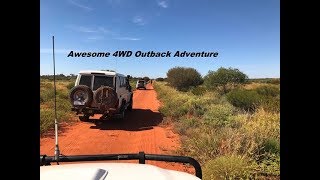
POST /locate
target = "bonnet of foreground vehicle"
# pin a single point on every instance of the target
(112, 171)
(106, 170)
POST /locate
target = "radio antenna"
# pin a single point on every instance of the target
(56, 149)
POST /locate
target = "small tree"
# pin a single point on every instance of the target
(183, 78)
(146, 78)
(160, 79)
(224, 77)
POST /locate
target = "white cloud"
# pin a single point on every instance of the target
(139, 20)
(95, 38)
(99, 33)
(163, 4)
(88, 29)
(128, 39)
(103, 30)
(87, 8)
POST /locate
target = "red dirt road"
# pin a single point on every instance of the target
(139, 132)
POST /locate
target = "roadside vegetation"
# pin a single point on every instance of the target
(229, 123)
(47, 116)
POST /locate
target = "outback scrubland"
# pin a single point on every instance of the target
(227, 122)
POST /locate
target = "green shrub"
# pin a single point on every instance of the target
(273, 81)
(264, 128)
(218, 115)
(184, 124)
(199, 90)
(271, 104)
(227, 78)
(47, 118)
(46, 95)
(229, 167)
(70, 85)
(248, 100)
(146, 78)
(132, 83)
(174, 104)
(45, 85)
(177, 104)
(160, 79)
(270, 166)
(202, 143)
(63, 105)
(272, 145)
(174, 107)
(266, 80)
(63, 94)
(268, 91)
(47, 105)
(41, 99)
(183, 78)
(197, 106)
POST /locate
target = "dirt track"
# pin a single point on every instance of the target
(141, 131)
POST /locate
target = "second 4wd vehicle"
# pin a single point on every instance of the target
(141, 84)
(101, 92)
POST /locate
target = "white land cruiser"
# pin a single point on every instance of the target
(101, 92)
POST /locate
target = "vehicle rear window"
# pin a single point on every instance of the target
(102, 81)
(85, 80)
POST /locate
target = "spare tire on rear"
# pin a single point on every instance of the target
(81, 95)
(106, 97)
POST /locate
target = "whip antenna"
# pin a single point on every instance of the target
(56, 149)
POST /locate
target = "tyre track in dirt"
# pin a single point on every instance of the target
(141, 131)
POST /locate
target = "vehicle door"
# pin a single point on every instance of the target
(120, 89)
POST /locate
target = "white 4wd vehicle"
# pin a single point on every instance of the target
(101, 92)
(141, 84)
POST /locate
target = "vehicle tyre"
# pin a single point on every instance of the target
(122, 116)
(130, 105)
(106, 96)
(81, 95)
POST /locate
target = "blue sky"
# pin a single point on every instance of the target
(245, 33)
